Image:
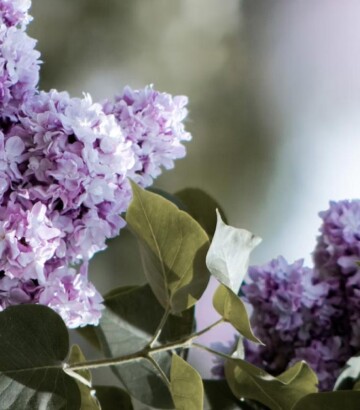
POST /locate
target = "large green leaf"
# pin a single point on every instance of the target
(89, 334)
(201, 206)
(84, 380)
(186, 385)
(219, 396)
(173, 248)
(346, 400)
(127, 325)
(278, 393)
(232, 309)
(34, 342)
(170, 197)
(113, 398)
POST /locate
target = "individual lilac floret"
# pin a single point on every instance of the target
(294, 315)
(19, 69)
(153, 122)
(75, 160)
(15, 12)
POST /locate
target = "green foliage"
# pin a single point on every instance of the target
(201, 207)
(170, 197)
(232, 309)
(113, 398)
(186, 385)
(346, 400)
(350, 375)
(229, 253)
(83, 378)
(128, 323)
(146, 330)
(219, 396)
(34, 342)
(89, 334)
(277, 393)
(173, 248)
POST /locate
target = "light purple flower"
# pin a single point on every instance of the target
(338, 245)
(76, 163)
(296, 314)
(15, 12)
(153, 122)
(72, 296)
(64, 169)
(27, 241)
(19, 69)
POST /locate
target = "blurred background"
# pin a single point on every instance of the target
(274, 91)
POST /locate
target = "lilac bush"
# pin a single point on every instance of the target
(64, 169)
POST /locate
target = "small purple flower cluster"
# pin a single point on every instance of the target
(64, 164)
(310, 314)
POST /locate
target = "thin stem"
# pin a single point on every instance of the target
(184, 343)
(208, 349)
(141, 354)
(95, 364)
(159, 328)
(160, 370)
(206, 329)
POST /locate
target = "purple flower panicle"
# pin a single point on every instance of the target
(295, 313)
(64, 169)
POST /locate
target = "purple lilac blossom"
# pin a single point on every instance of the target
(64, 169)
(76, 162)
(153, 123)
(15, 12)
(69, 157)
(295, 313)
(337, 255)
(19, 61)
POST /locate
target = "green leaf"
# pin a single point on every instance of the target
(350, 375)
(170, 197)
(278, 393)
(127, 325)
(113, 398)
(201, 206)
(173, 248)
(347, 400)
(89, 334)
(232, 309)
(83, 378)
(219, 396)
(229, 253)
(186, 385)
(34, 342)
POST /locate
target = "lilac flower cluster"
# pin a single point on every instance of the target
(19, 61)
(310, 314)
(295, 314)
(152, 123)
(64, 169)
(337, 255)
